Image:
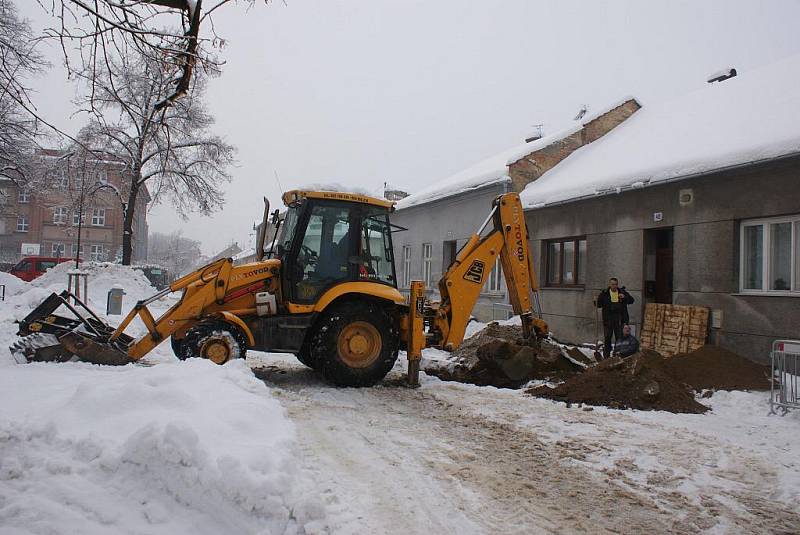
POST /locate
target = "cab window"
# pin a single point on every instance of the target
(375, 258)
(323, 258)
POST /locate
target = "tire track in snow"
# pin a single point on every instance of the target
(397, 460)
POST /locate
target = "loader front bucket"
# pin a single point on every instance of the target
(49, 337)
(89, 350)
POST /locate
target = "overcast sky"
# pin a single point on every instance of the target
(360, 92)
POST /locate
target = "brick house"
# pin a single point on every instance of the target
(43, 218)
(441, 218)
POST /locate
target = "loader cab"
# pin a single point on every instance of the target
(326, 240)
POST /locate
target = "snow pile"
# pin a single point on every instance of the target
(175, 448)
(336, 188)
(14, 285)
(102, 277)
(745, 119)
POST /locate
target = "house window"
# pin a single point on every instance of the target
(495, 281)
(98, 217)
(770, 255)
(22, 223)
(24, 196)
(102, 176)
(75, 250)
(566, 262)
(59, 215)
(75, 215)
(406, 266)
(427, 254)
(96, 253)
(62, 178)
(58, 249)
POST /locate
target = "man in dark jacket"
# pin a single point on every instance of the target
(628, 344)
(614, 301)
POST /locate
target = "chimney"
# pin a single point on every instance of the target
(722, 75)
(537, 134)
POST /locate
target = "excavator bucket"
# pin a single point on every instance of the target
(49, 337)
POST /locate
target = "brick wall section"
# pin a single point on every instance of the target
(532, 166)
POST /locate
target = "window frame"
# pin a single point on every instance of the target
(62, 175)
(96, 252)
(494, 282)
(60, 215)
(99, 217)
(577, 283)
(406, 251)
(24, 195)
(427, 264)
(58, 249)
(764, 223)
(22, 221)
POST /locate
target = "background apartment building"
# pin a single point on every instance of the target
(67, 192)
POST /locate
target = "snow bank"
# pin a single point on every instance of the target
(175, 448)
(102, 277)
(14, 285)
(744, 119)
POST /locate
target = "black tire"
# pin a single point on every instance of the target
(199, 337)
(304, 356)
(355, 319)
(177, 347)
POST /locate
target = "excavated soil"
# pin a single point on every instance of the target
(649, 381)
(714, 368)
(638, 382)
(500, 356)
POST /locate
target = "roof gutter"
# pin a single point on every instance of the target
(649, 183)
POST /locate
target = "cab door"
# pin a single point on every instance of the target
(321, 253)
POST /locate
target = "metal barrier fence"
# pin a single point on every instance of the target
(785, 390)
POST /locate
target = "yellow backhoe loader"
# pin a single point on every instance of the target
(326, 291)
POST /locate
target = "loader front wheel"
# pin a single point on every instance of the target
(355, 344)
(216, 341)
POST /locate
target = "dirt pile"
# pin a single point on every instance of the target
(500, 356)
(714, 368)
(638, 382)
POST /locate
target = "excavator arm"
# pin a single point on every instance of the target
(461, 284)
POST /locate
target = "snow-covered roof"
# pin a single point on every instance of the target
(749, 118)
(494, 170)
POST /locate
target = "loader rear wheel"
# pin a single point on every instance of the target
(216, 341)
(355, 344)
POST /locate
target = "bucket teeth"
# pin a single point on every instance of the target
(39, 347)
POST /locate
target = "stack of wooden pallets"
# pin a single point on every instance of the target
(671, 329)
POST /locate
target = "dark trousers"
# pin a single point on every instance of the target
(612, 327)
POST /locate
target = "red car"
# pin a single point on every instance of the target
(31, 267)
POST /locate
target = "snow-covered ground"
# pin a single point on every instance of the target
(187, 447)
(177, 447)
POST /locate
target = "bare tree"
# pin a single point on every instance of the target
(105, 29)
(171, 151)
(173, 251)
(18, 61)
